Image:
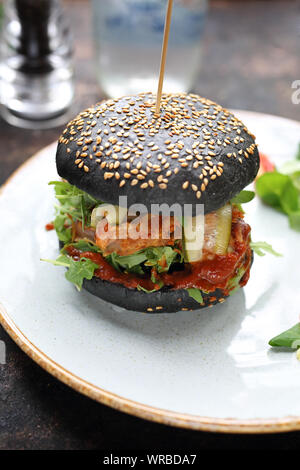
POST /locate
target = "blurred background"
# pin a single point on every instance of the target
(58, 57)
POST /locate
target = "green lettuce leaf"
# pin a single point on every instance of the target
(74, 203)
(288, 339)
(243, 197)
(271, 188)
(160, 258)
(62, 228)
(196, 294)
(129, 263)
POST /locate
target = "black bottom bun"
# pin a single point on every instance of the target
(162, 301)
(165, 300)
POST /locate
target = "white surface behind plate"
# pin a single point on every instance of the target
(214, 363)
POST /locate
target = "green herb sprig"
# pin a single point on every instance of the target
(77, 270)
(280, 189)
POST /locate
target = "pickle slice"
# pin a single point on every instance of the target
(193, 238)
(217, 232)
(223, 229)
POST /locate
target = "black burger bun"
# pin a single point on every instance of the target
(195, 151)
(165, 300)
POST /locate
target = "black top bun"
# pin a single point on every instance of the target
(195, 151)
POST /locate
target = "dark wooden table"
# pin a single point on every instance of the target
(251, 59)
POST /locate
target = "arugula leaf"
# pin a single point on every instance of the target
(83, 245)
(234, 283)
(260, 247)
(130, 263)
(159, 258)
(146, 290)
(62, 260)
(80, 270)
(288, 339)
(62, 228)
(66, 191)
(196, 294)
(73, 202)
(77, 270)
(162, 257)
(243, 197)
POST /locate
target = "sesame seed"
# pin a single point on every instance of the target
(187, 116)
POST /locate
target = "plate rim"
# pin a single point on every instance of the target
(159, 415)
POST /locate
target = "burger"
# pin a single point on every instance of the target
(149, 215)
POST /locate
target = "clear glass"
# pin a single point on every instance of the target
(36, 73)
(128, 38)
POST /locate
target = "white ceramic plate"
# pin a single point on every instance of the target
(210, 370)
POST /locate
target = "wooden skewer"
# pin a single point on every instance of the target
(163, 56)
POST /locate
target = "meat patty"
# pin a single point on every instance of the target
(142, 232)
